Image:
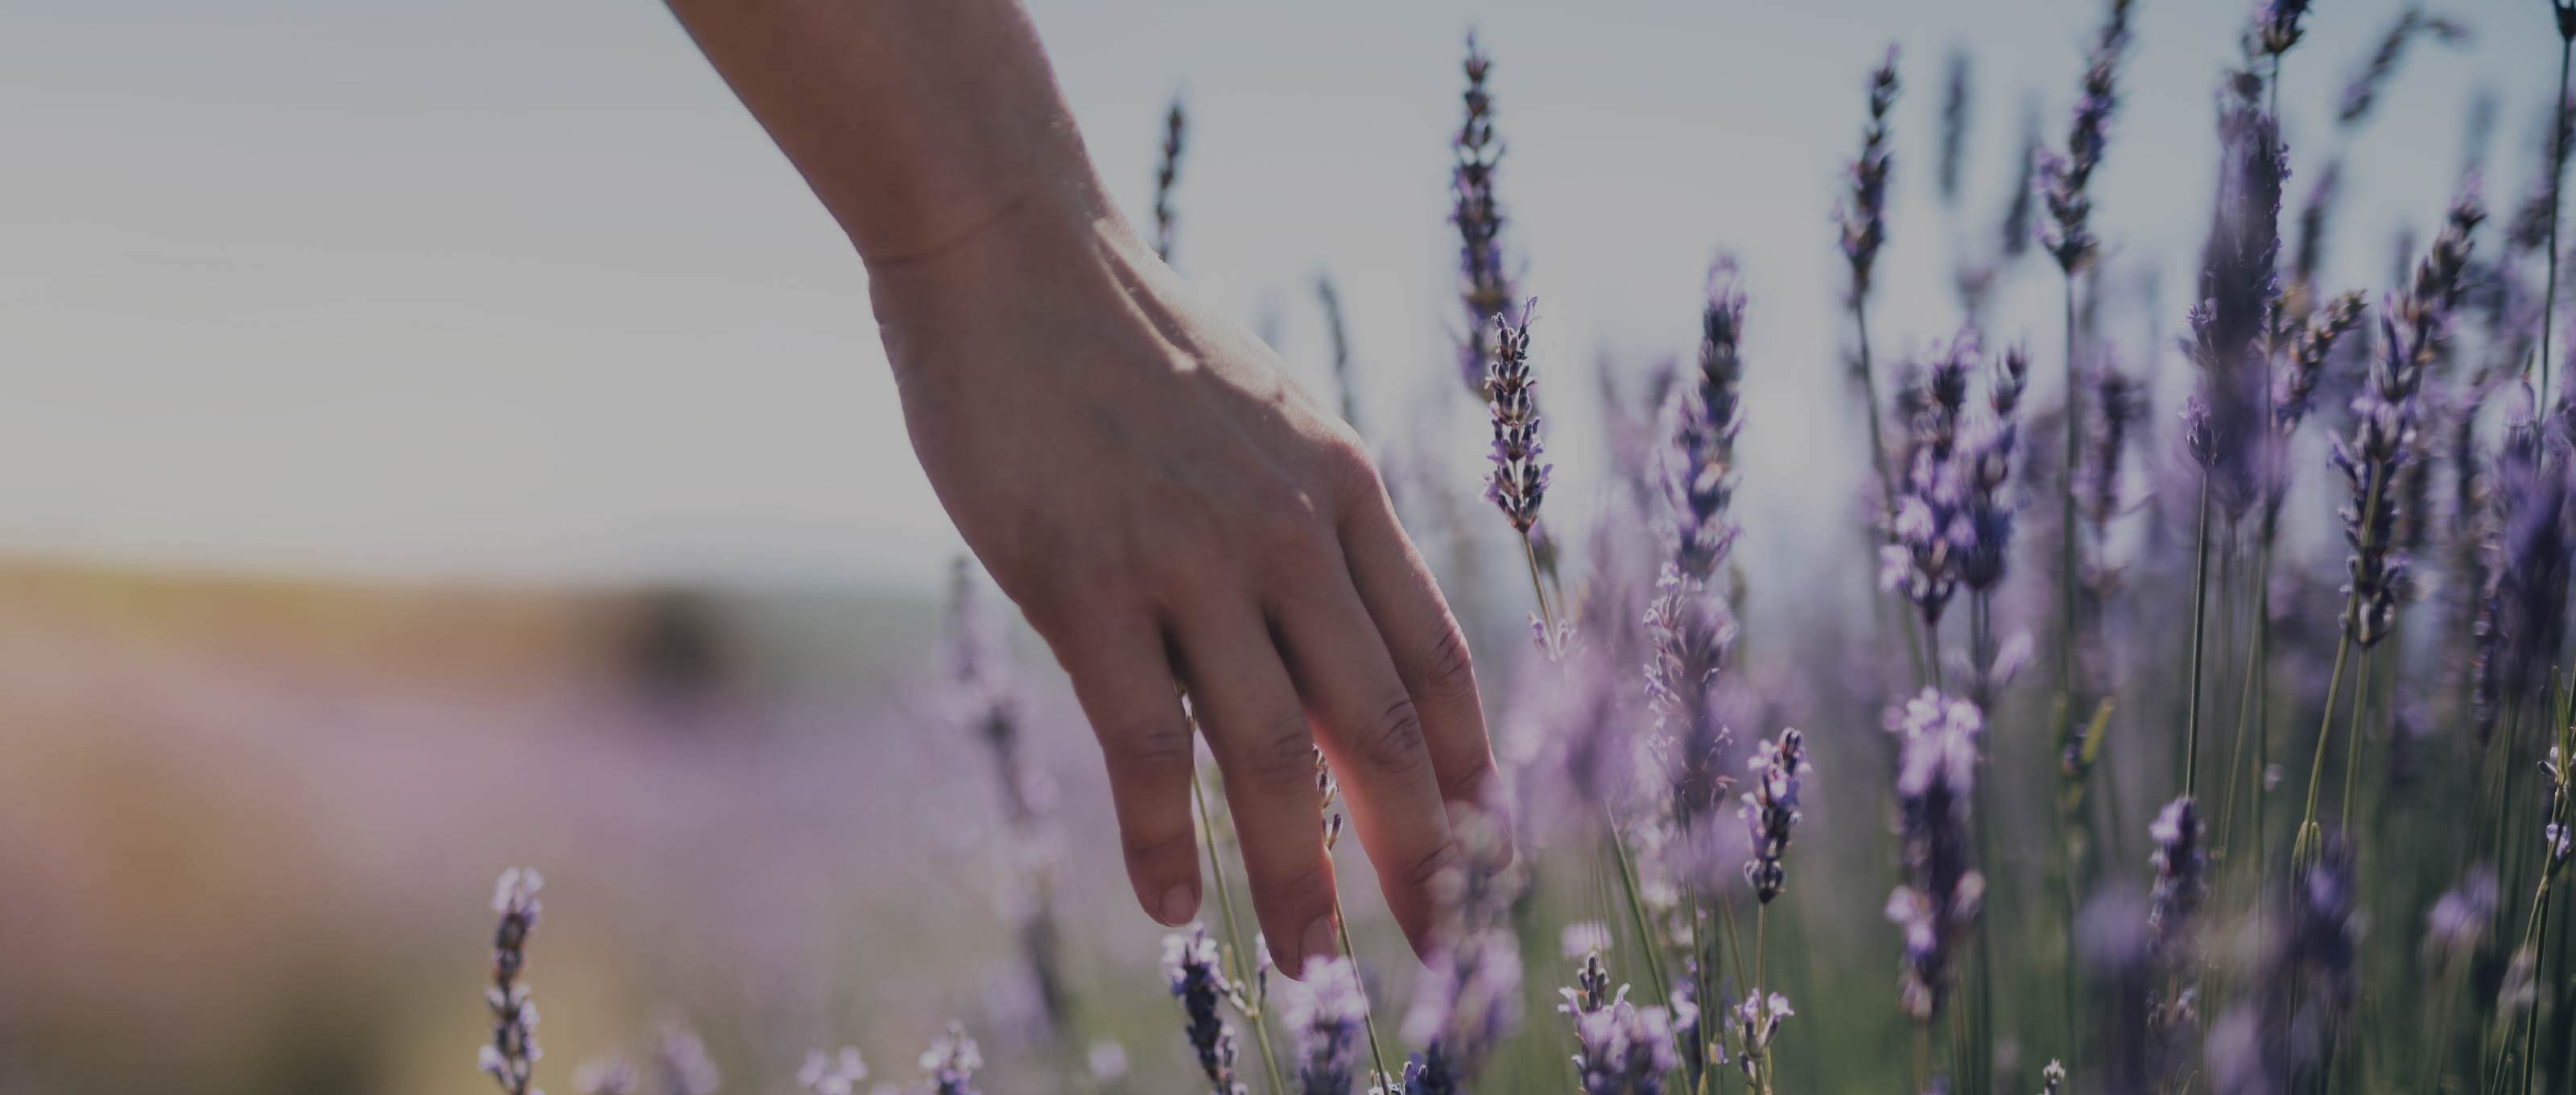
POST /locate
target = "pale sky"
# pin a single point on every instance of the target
(509, 291)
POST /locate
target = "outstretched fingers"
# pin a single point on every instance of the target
(1123, 679)
(1248, 708)
(1372, 729)
(1429, 652)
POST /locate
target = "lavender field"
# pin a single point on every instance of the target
(2090, 656)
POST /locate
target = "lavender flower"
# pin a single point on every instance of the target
(1466, 1003)
(1591, 991)
(1942, 891)
(2276, 25)
(1468, 997)
(1709, 411)
(511, 1056)
(2383, 436)
(2361, 93)
(680, 1058)
(2240, 295)
(2177, 832)
(951, 1061)
(2457, 923)
(1485, 288)
(1688, 626)
(1988, 449)
(2536, 532)
(984, 701)
(1863, 214)
(1626, 1049)
(2385, 420)
(1167, 174)
(1190, 965)
(1325, 1020)
(1932, 533)
(1771, 810)
(1955, 113)
(1694, 1050)
(2433, 291)
(2064, 179)
(1757, 1019)
(832, 1073)
(2306, 363)
(1520, 478)
(2122, 403)
(2022, 204)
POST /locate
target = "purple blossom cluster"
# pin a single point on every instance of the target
(951, 1061)
(1485, 286)
(2066, 178)
(2180, 860)
(1770, 810)
(1624, 1049)
(1863, 212)
(1519, 479)
(1941, 895)
(511, 1056)
(1954, 513)
(1325, 1019)
(1191, 968)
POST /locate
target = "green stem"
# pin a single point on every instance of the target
(1546, 615)
(2352, 734)
(2303, 844)
(2067, 518)
(1368, 1012)
(1636, 907)
(2199, 624)
(1233, 936)
(2557, 173)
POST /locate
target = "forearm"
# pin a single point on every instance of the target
(917, 122)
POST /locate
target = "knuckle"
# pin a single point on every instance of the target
(1425, 872)
(1287, 531)
(1084, 581)
(1350, 467)
(1467, 782)
(1146, 849)
(1157, 747)
(1446, 670)
(1393, 741)
(1294, 888)
(1282, 751)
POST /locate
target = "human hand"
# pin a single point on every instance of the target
(1167, 509)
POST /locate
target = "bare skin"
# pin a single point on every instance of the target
(1134, 469)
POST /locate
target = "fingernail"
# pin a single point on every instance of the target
(1177, 905)
(1317, 943)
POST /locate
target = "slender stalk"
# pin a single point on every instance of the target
(1761, 929)
(2199, 624)
(1538, 591)
(1233, 935)
(1981, 683)
(2304, 843)
(1368, 1014)
(2557, 176)
(1636, 906)
(2066, 532)
(2352, 746)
